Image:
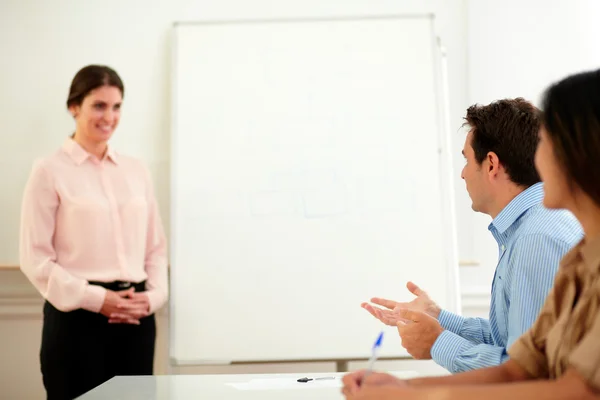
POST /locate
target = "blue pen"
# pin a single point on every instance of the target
(374, 351)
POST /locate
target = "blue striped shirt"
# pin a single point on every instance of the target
(532, 240)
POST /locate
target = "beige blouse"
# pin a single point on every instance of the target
(567, 331)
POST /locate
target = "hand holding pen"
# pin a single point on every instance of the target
(357, 381)
(352, 382)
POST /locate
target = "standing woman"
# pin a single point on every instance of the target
(93, 245)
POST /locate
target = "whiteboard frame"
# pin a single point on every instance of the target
(447, 174)
(446, 170)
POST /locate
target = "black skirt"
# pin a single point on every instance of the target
(81, 350)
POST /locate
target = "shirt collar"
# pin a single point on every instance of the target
(528, 198)
(78, 154)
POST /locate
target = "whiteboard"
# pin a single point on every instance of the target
(310, 172)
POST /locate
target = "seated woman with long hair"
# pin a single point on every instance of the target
(559, 356)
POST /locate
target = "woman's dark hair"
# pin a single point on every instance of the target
(571, 116)
(509, 128)
(89, 78)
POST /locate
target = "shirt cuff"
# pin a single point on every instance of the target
(450, 321)
(93, 298)
(156, 300)
(446, 349)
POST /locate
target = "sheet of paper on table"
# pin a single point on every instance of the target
(286, 383)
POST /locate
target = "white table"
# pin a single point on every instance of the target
(252, 387)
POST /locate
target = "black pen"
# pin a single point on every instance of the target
(304, 380)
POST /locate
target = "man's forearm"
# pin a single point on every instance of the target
(476, 330)
(506, 372)
(457, 354)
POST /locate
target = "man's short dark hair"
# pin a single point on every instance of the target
(509, 128)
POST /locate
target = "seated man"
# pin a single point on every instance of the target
(559, 356)
(502, 182)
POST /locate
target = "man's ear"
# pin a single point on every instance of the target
(493, 163)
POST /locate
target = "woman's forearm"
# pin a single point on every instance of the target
(571, 387)
(507, 372)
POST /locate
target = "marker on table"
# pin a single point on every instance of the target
(304, 380)
(374, 351)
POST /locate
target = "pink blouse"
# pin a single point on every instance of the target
(85, 219)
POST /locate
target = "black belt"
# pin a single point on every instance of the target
(117, 286)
